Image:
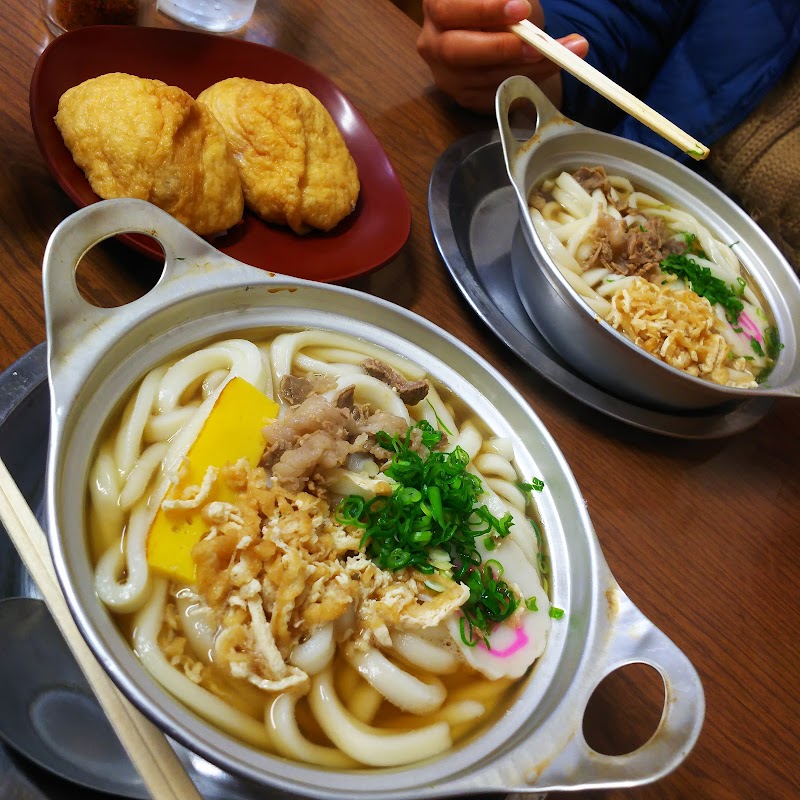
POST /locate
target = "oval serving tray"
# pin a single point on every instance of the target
(474, 218)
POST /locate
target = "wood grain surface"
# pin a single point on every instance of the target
(703, 536)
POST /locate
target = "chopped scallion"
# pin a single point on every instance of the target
(704, 283)
(544, 563)
(433, 514)
(536, 485)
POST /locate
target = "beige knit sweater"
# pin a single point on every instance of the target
(759, 164)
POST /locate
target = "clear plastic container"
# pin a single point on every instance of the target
(67, 15)
(217, 16)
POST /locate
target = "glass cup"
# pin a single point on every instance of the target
(66, 15)
(217, 16)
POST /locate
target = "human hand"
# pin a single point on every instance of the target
(470, 51)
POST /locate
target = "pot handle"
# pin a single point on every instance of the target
(634, 639)
(549, 119)
(186, 259)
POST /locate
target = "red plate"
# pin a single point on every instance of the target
(366, 239)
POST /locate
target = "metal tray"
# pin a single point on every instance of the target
(24, 429)
(474, 217)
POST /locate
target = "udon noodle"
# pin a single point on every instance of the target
(287, 621)
(656, 274)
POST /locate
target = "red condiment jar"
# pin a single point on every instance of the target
(66, 15)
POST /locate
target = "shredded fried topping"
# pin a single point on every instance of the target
(276, 566)
(173, 646)
(193, 496)
(674, 325)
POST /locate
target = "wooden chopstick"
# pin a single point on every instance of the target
(150, 752)
(586, 73)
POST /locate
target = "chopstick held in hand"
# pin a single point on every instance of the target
(622, 98)
(151, 754)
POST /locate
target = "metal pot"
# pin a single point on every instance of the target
(96, 356)
(580, 336)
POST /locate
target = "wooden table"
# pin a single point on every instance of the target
(703, 536)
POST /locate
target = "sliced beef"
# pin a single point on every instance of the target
(591, 178)
(609, 237)
(317, 435)
(642, 251)
(411, 392)
(315, 413)
(345, 398)
(635, 251)
(295, 390)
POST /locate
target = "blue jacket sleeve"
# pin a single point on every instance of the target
(704, 64)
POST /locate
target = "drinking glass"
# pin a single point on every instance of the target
(217, 16)
(66, 15)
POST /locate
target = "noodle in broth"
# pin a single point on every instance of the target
(284, 626)
(657, 275)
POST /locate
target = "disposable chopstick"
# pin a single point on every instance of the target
(149, 751)
(586, 73)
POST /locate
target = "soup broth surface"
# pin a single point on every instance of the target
(316, 547)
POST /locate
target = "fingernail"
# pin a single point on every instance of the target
(575, 42)
(515, 10)
(530, 53)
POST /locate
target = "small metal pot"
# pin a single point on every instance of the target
(96, 357)
(580, 336)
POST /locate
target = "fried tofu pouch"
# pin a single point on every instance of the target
(135, 137)
(295, 167)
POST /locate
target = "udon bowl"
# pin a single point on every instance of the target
(573, 329)
(96, 356)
